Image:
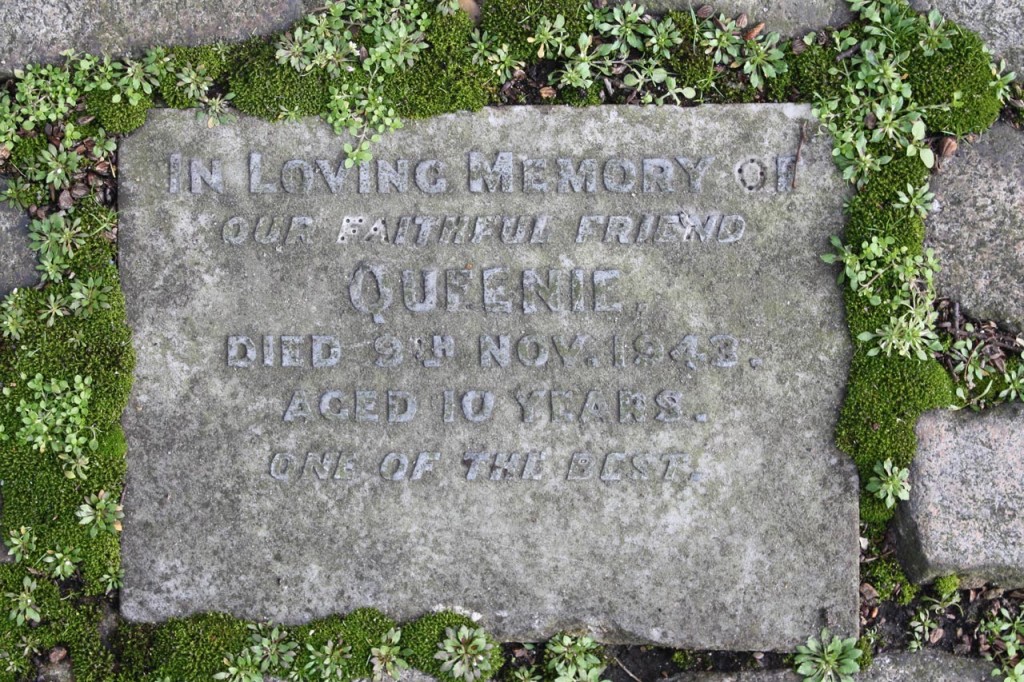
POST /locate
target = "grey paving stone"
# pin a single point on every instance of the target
(924, 666)
(977, 229)
(645, 487)
(966, 509)
(33, 31)
(17, 262)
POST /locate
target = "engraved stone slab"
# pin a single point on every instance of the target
(563, 368)
(33, 31)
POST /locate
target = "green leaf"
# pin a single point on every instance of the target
(927, 156)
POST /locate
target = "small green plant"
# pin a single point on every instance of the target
(918, 199)
(830, 659)
(1014, 378)
(910, 334)
(663, 38)
(215, 110)
(57, 420)
(1002, 81)
(101, 513)
(63, 561)
(326, 662)
(112, 580)
(55, 239)
(922, 627)
(526, 673)
(57, 166)
(18, 659)
(380, 37)
(1003, 632)
(550, 37)
(24, 608)
(762, 59)
(572, 658)
(890, 484)
(21, 543)
(465, 653)
(271, 647)
(54, 308)
(13, 319)
(90, 296)
(624, 28)
(497, 58)
(194, 82)
(721, 40)
(389, 657)
(240, 668)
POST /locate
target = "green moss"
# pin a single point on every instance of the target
(873, 512)
(27, 150)
(36, 492)
(869, 218)
(947, 585)
(362, 630)
(692, 67)
(810, 73)
(965, 68)
(885, 397)
(889, 580)
(270, 90)
(117, 117)
(423, 636)
(578, 97)
(690, 660)
(867, 654)
(512, 22)
(67, 620)
(780, 88)
(444, 78)
(212, 59)
(132, 644)
(189, 648)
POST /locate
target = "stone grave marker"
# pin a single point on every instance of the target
(562, 368)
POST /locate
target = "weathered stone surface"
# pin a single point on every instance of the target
(674, 457)
(924, 666)
(32, 31)
(977, 229)
(966, 509)
(17, 262)
(787, 17)
(1000, 24)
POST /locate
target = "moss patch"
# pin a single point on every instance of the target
(271, 91)
(423, 636)
(933, 83)
(444, 78)
(512, 22)
(208, 60)
(117, 117)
